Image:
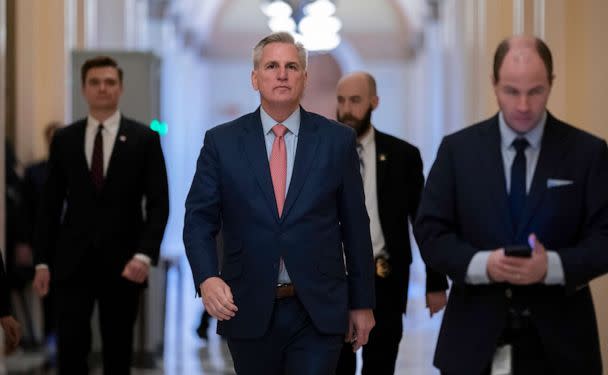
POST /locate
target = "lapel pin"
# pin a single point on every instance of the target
(123, 138)
(382, 157)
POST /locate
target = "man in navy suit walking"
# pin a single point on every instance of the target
(522, 177)
(297, 271)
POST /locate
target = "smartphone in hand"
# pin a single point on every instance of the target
(522, 251)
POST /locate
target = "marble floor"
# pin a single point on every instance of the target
(185, 353)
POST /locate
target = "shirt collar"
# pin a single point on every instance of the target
(292, 123)
(508, 135)
(110, 124)
(368, 138)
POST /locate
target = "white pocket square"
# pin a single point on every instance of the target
(555, 182)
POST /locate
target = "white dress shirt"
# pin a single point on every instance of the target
(368, 155)
(110, 129)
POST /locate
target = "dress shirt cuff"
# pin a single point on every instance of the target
(143, 258)
(477, 272)
(42, 266)
(555, 269)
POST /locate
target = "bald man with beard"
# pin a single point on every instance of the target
(392, 179)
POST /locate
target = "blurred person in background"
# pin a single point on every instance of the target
(19, 261)
(10, 327)
(33, 184)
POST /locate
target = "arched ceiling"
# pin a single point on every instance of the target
(375, 29)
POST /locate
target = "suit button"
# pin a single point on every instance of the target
(508, 293)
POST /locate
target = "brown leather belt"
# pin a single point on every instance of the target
(285, 290)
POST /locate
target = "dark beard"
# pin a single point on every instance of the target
(361, 126)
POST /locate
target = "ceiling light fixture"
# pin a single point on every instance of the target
(312, 22)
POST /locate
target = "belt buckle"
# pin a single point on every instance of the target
(284, 290)
(383, 267)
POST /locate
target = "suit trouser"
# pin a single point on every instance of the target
(117, 301)
(380, 352)
(292, 345)
(527, 355)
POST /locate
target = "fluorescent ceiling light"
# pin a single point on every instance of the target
(322, 8)
(282, 24)
(321, 42)
(276, 8)
(319, 25)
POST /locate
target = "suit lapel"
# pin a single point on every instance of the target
(493, 172)
(81, 160)
(305, 155)
(549, 159)
(124, 138)
(381, 165)
(254, 146)
(381, 160)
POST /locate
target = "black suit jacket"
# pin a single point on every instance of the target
(399, 183)
(464, 210)
(102, 229)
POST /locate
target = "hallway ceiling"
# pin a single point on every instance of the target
(374, 29)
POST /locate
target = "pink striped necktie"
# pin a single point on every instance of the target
(278, 165)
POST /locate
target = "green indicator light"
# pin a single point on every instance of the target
(160, 127)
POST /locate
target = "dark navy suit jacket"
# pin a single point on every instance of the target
(464, 209)
(324, 216)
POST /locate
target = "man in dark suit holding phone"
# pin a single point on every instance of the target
(521, 178)
(102, 218)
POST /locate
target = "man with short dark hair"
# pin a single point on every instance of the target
(101, 222)
(515, 212)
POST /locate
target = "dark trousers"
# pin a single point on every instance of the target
(527, 356)
(292, 345)
(117, 301)
(50, 322)
(380, 352)
(203, 326)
